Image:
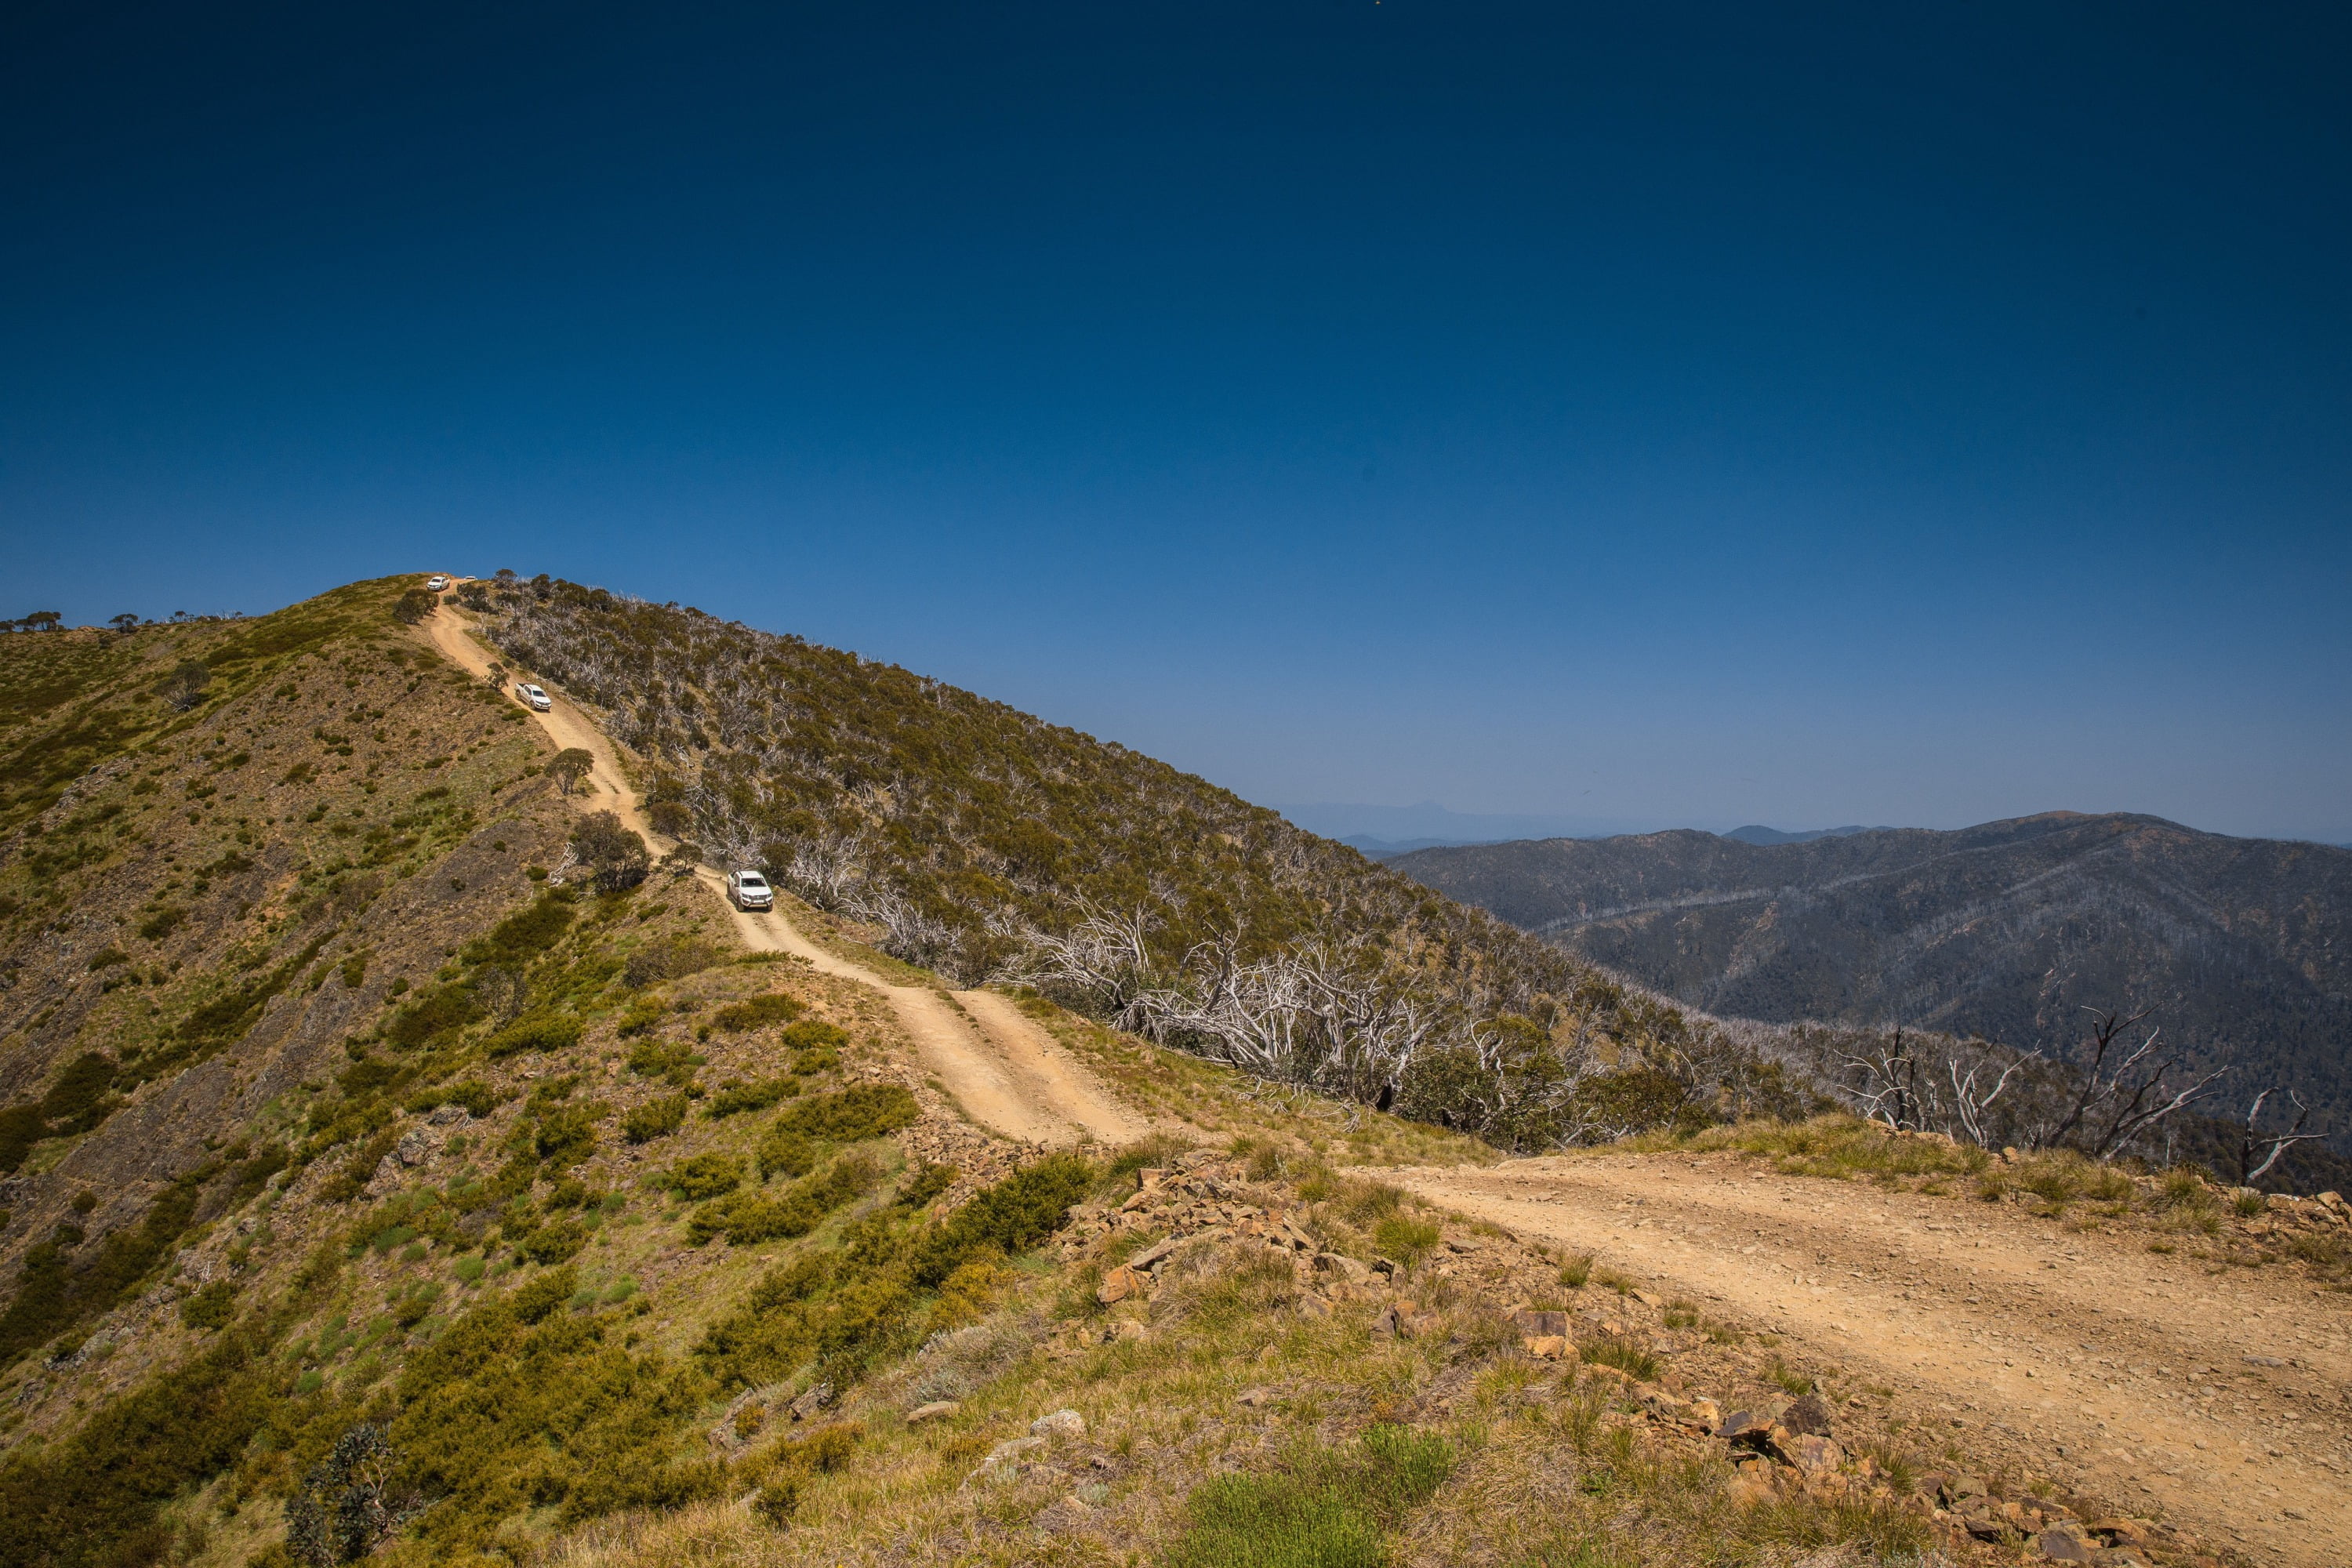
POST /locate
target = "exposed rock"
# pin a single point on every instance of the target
(2066, 1546)
(1063, 1423)
(1254, 1398)
(415, 1146)
(814, 1400)
(1346, 1267)
(448, 1115)
(1547, 1347)
(1152, 1256)
(936, 1410)
(1118, 1285)
(1807, 1414)
(1812, 1455)
(1529, 1322)
(1746, 1427)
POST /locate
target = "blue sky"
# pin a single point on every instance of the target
(1679, 414)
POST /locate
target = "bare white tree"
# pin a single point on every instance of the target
(2252, 1139)
(2121, 1092)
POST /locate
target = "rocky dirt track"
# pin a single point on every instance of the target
(2216, 1400)
(1005, 1072)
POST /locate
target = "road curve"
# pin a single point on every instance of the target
(1006, 1073)
(2220, 1399)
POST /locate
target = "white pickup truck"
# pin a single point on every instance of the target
(750, 891)
(532, 695)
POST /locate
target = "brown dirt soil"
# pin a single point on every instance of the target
(1006, 1074)
(2217, 1399)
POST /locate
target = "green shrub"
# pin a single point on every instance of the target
(525, 934)
(927, 1184)
(544, 1032)
(846, 1116)
(1011, 1216)
(705, 1176)
(757, 1012)
(554, 1244)
(813, 1035)
(210, 1307)
(783, 1150)
(757, 1095)
(475, 1095)
(655, 1119)
(437, 1012)
(747, 1219)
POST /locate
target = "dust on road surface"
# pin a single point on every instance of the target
(1006, 1073)
(2219, 1400)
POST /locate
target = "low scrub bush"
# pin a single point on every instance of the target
(757, 1012)
(705, 1176)
(655, 1119)
(846, 1116)
(758, 1095)
(544, 1031)
(1011, 1216)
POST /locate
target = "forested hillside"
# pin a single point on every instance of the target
(2008, 931)
(988, 844)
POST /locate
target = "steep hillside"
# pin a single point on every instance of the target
(2005, 931)
(988, 844)
(405, 1167)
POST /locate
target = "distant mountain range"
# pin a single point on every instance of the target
(2007, 929)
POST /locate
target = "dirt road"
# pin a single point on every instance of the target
(1006, 1073)
(2219, 1399)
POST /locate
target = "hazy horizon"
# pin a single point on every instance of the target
(1667, 417)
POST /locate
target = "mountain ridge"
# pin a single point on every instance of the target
(2004, 930)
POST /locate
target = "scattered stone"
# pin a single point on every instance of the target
(2264, 1361)
(1807, 1414)
(1152, 1256)
(416, 1145)
(935, 1410)
(1118, 1285)
(1547, 1347)
(1811, 1455)
(1388, 1325)
(2064, 1546)
(1343, 1265)
(1534, 1323)
(1062, 1423)
(1257, 1398)
(814, 1400)
(1747, 1427)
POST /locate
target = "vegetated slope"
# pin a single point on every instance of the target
(984, 843)
(2006, 931)
(598, 1216)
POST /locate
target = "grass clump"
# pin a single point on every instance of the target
(1406, 1240)
(1323, 1509)
(1624, 1355)
(1575, 1271)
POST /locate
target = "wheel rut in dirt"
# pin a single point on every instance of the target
(2140, 1379)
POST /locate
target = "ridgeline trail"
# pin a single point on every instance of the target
(2153, 1382)
(2147, 1381)
(1006, 1073)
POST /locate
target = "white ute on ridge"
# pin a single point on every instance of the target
(532, 695)
(435, 583)
(750, 891)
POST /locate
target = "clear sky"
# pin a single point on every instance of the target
(1650, 414)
